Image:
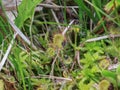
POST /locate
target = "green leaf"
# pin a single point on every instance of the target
(25, 11)
(118, 70)
(118, 74)
(111, 5)
(107, 73)
(110, 75)
(83, 8)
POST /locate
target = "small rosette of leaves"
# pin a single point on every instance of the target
(104, 64)
(104, 85)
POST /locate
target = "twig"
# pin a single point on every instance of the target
(56, 6)
(72, 66)
(77, 56)
(102, 37)
(10, 8)
(63, 84)
(45, 21)
(56, 18)
(16, 29)
(52, 77)
(74, 10)
(66, 29)
(7, 52)
(91, 23)
(53, 64)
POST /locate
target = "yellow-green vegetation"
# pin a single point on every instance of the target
(60, 45)
(51, 52)
(1, 84)
(104, 85)
(58, 40)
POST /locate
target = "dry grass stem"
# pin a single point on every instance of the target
(7, 52)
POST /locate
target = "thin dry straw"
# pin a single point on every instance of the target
(7, 52)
